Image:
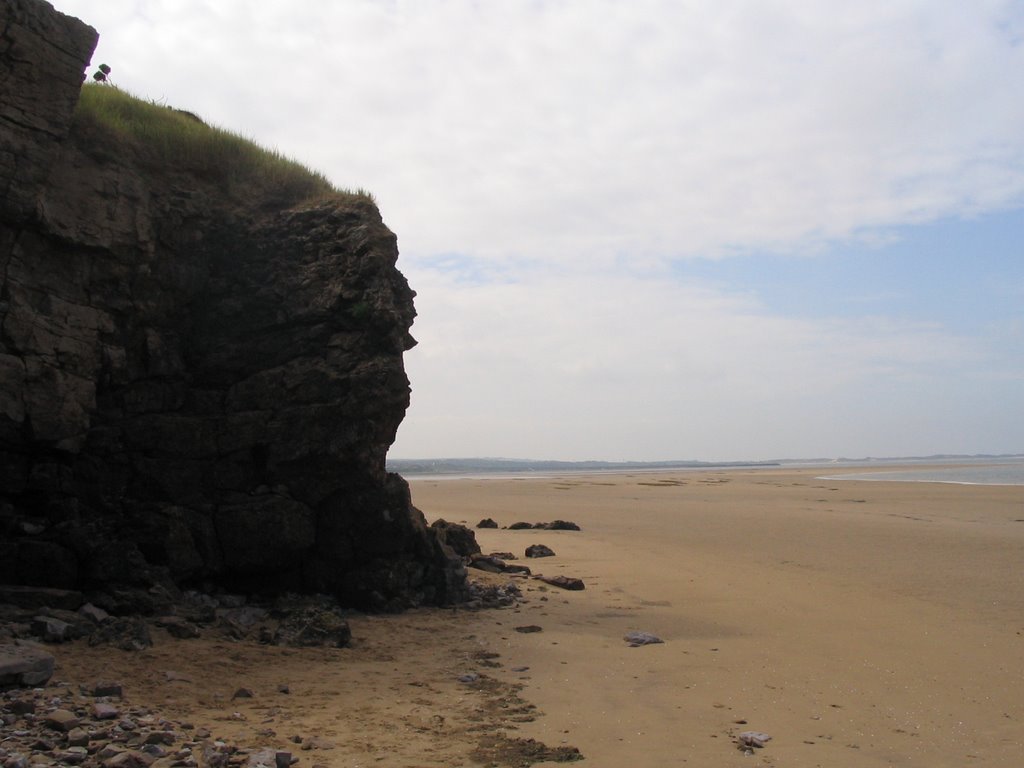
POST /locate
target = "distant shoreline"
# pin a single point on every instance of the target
(508, 468)
(527, 468)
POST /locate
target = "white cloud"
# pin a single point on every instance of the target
(618, 367)
(569, 149)
(577, 129)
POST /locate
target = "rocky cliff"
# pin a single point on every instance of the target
(194, 389)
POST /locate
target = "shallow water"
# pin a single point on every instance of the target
(1002, 473)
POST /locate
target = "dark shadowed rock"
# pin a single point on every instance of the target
(128, 634)
(52, 630)
(554, 525)
(487, 523)
(563, 582)
(493, 564)
(178, 627)
(514, 568)
(134, 600)
(560, 525)
(461, 539)
(539, 550)
(24, 664)
(487, 563)
(40, 597)
(50, 51)
(313, 626)
(94, 613)
(195, 384)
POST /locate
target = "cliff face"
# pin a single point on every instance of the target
(192, 390)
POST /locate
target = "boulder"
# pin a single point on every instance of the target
(52, 630)
(461, 539)
(560, 525)
(563, 582)
(61, 720)
(94, 613)
(25, 665)
(539, 550)
(487, 523)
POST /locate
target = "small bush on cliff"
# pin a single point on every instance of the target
(111, 120)
(102, 75)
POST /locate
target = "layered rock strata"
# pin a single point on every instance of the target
(192, 389)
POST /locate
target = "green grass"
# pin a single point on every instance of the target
(109, 121)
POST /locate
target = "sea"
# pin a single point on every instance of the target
(962, 472)
(989, 470)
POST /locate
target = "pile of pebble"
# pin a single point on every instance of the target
(55, 726)
(493, 595)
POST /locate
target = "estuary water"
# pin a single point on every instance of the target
(1008, 472)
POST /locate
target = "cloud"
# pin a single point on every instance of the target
(544, 163)
(652, 368)
(580, 130)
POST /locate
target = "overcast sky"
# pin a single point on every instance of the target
(654, 229)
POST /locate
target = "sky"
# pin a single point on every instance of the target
(654, 229)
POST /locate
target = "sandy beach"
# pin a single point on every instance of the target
(856, 623)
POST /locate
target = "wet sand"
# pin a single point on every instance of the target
(857, 623)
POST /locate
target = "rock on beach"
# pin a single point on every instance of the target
(24, 664)
(641, 638)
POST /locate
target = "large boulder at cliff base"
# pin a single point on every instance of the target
(459, 537)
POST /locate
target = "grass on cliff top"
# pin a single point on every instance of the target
(109, 120)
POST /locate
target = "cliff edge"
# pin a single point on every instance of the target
(196, 387)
